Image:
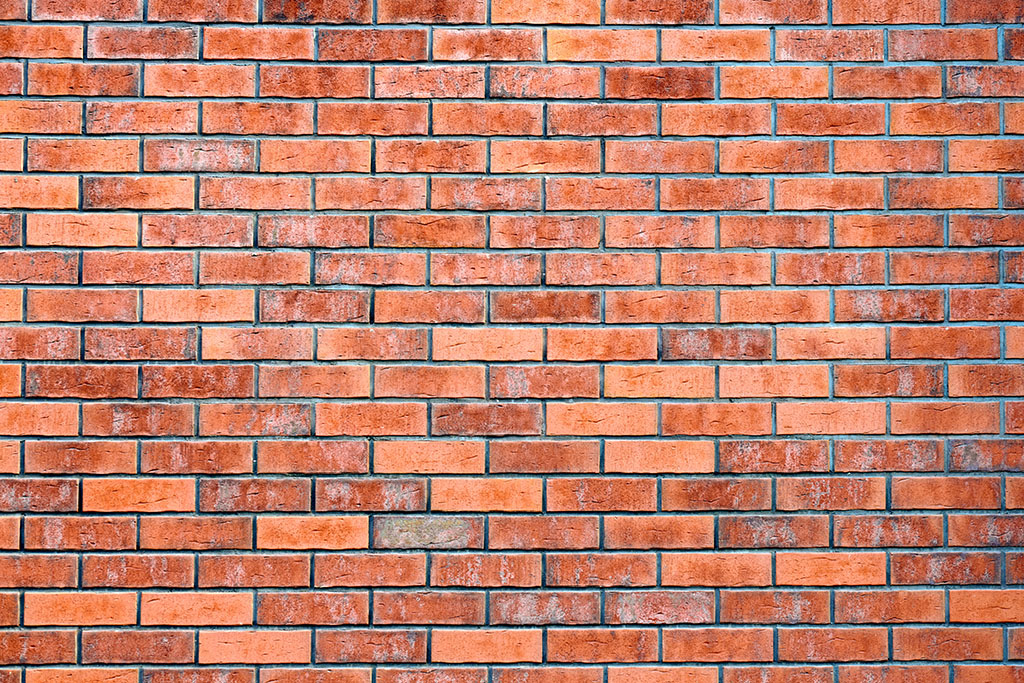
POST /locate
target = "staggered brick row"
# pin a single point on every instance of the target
(511, 341)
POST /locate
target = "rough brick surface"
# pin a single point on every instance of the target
(511, 341)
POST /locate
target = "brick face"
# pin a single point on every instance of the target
(460, 341)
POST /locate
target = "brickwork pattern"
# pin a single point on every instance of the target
(511, 341)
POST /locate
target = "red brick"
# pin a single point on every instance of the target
(877, 12)
(485, 194)
(487, 645)
(183, 230)
(946, 118)
(46, 42)
(643, 533)
(138, 192)
(373, 118)
(534, 81)
(776, 82)
(659, 307)
(715, 119)
(117, 42)
(254, 192)
(632, 387)
(774, 306)
(671, 82)
(722, 269)
(487, 44)
(738, 381)
(899, 81)
(136, 419)
(196, 11)
(544, 456)
(105, 80)
(830, 118)
(675, 456)
(714, 44)
(253, 570)
(196, 457)
(832, 418)
(264, 647)
(888, 156)
(944, 342)
(199, 80)
(429, 81)
(554, 156)
(283, 230)
(313, 81)
(41, 117)
(714, 343)
(328, 11)
(143, 571)
(718, 644)
(196, 609)
(602, 645)
(711, 194)
(81, 381)
(317, 532)
(949, 643)
(585, 12)
(504, 344)
(254, 419)
(11, 153)
(716, 569)
(368, 193)
(433, 307)
(961, 12)
(139, 343)
(402, 495)
(127, 267)
(437, 156)
(368, 419)
(312, 456)
(371, 269)
(775, 11)
(208, 305)
(257, 43)
(314, 306)
(93, 305)
(85, 10)
(372, 44)
(669, 157)
(486, 570)
(602, 119)
(379, 343)
(904, 455)
(186, 155)
(659, 11)
(537, 607)
(942, 44)
(830, 569)
(837, 342)
(991, 81)
(140, 116)
(829, 45)
(38, 192)
(765, 156)
(825, 644)
(716, 419)
(79, 533)
(775, 606)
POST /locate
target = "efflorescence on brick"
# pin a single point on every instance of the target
(511, 341)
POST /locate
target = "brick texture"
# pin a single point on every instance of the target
(511, 341)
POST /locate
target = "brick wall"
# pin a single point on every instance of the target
(534, 341)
